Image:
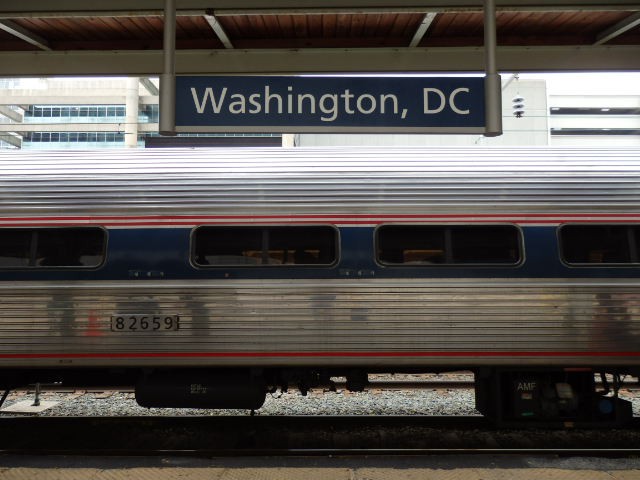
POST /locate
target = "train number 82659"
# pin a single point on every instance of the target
(144, 323)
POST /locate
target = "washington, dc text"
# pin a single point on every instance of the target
(328, 107)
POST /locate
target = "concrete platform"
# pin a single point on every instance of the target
(27, 406)
(315, 468)
(312, 474)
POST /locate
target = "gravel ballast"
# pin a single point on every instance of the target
(431, 401)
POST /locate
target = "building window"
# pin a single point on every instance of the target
(52, 247)
(74, 137)
(264, 245)
(594, 131)
(76, 111)
(422, 245)
(148, 113)
(599, 244)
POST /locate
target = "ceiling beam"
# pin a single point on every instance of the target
(329, 60)
(219, 31)
(130, 8)
(618, 29)
(422, 29)
(22, 33)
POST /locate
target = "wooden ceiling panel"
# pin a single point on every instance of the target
(94, 28)
(524, 28)
(46, 28)
(118, 33)
(328, 26)
(455, 29)
(466, 24)
(324, 30)
(193, 28)
(405, 25)
(441, 25)
(328, 30)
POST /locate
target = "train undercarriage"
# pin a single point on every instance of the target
(515, 396)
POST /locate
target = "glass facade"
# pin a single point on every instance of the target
(148, 114)
(73, 137)
(73, 117)
(103, 112)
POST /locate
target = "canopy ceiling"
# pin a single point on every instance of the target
(124, 37)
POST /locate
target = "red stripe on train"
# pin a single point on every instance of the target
(323, 216)
(352, 219)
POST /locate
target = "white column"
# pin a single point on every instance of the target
(131, 105)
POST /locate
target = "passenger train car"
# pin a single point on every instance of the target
(207, 278)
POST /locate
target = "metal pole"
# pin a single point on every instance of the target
(492, 82)
(36, 401)
(167, 124)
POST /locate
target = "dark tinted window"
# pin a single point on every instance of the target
(15, 248)
(52, 247)
(299, 245)
(598, 244)
(448, 244)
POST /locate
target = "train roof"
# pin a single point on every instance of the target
(227, 181)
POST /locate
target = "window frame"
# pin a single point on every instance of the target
(518, 264)
(337, 245)
(564, 262)
(59, 267)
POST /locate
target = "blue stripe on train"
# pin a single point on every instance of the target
(164, 253)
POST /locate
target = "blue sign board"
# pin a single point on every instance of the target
(330, 104)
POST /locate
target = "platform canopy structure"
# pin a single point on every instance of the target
(125, 37)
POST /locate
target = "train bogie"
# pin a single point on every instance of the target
(571, 397)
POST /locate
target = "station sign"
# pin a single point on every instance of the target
(293, 104)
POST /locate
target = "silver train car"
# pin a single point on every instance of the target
(209, 277)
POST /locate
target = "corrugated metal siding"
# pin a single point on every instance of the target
(333, 181)
(330, 316)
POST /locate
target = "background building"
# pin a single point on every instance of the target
(569, 112)
(605, 110)
(38, 113)
(123, 112)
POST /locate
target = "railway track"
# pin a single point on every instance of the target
(378, 382)
(376, 385)
(348, 435)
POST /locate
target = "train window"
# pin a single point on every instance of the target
(52, 247)
(259, 245)
(599, 244)
(497, 244)
(448, 245)
(15, 250)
